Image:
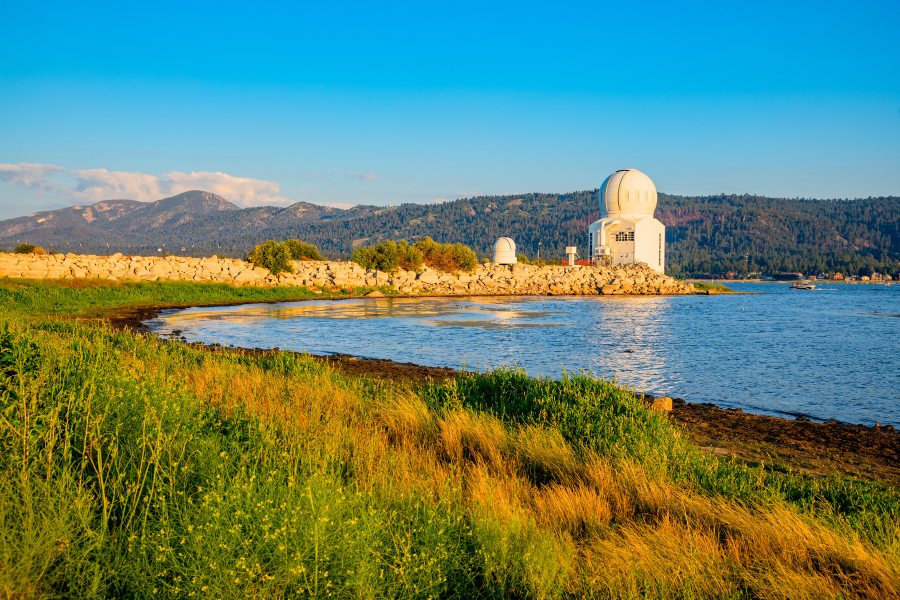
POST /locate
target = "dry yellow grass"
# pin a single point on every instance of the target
(578, 510)
(583, 524)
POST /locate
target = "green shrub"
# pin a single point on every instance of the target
(409, 258)
(388, 256)
(718, 288)
(446, 257)
(29, 249)
(381, 256)
(303, 251)
(275, 256)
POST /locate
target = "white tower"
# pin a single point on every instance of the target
(627, 233)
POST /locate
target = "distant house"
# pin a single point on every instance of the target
(837, 277)
(877, 277)
(865, 278)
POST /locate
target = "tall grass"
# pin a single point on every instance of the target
(133, 467)
(597, 417)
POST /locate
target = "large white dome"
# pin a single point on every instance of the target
(628, 192)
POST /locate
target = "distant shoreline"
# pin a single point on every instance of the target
(815, 448)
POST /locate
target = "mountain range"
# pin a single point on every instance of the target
(705, 234)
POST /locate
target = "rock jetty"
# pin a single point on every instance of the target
(326, 275)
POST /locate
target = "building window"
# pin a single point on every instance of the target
(624, 236)
(591, 244)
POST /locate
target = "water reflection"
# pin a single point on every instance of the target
(790, 353)
(441, 312)
(634, 336)
(444, 311)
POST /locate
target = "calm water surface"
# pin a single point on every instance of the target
(823, 354)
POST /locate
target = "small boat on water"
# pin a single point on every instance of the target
(803, 285)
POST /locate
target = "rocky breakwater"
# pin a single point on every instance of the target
(533, 280)
(133, 268)
(485, 280)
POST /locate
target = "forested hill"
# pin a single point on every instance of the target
(713, 234)
(710, 234)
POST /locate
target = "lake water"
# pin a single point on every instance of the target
(830, 353)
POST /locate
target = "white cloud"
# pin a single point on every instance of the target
(243, 191)
(101, 184)
(364, 175)
(33, 175)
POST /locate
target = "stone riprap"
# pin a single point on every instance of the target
(485, 280)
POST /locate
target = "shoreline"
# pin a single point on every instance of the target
(812, 448)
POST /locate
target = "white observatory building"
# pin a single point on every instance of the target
(627, 233)
(505, 251)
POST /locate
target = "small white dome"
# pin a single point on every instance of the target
(504, 251)
(628, 192)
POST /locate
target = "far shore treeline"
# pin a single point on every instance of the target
(711, 235)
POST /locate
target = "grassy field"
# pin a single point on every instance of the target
(135, 467)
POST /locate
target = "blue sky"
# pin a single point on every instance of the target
(383, 103)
